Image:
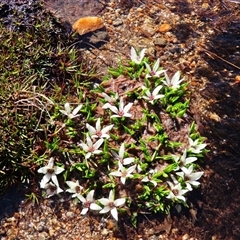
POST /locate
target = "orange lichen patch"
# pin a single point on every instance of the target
(88, 24)
(237, 80)
(165, 27)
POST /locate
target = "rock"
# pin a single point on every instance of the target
(117, 22)
(88, 24)
(99, 36)
(147, 30)
(165, 27)
(160, 42)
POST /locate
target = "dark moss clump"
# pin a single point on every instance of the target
(35, 54)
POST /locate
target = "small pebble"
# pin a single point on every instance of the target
(164, 27)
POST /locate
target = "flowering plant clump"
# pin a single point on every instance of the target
(142, 159)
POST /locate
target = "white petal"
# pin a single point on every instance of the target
(148, 67)
(59, 190)
(45, 180)
(67, 108)
(72, 185)
(97, 152)
(196, 175)
(84, 146)
(117, 174)
(167, 82)
(142, 53)
(95, 207)
(105, 209)
(113, 108)
(156, 90)
(121, 104)
(58, 170)
(127, 107)
(120, 201)
(107, 128)
(156, 65)
(104, 201)
(98, 125)
(81, 198)
(91, 129)
(181, 198)
(123, 180)
(90, 196)
(117, 116)
(154, 183)
(111, 195)
(54, 179)
(190, 160)
(145, 179)
(89, 141)
(131, 169)
(98, 144)
(88, 155)
(106, 97)
(106, 106)
(84, 211)
(114, 213)
(43, 170)
(76, 110)
(121, 151)
(127, 161)
(51, 163)
(133, 54)
(194, 183)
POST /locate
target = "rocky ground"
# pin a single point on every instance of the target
(200, 38)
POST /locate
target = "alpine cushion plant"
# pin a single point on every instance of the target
(50, 172)
(90, 147)
(137, 58)
(88, 203)
(139, 151)
(174, 82)
(154, 72)
(71, 114)
(97, 132)
(111, 205)
(122, 111)
(74, 188)
(151, 97)
(120, 156)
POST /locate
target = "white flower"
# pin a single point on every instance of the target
(122, 111)
(68, 112)
(123, 172)
(190, 177)
(74, 187)
(176, 191)
(52, 189)
(120, 156)
(153, 72)
(50, 172)
(174, 82)
(154, 95)
(148, 178)
(88, 203)
(183, 160)
(98, 132)
(110, 100)
(137, 58)
(111, 205)
(91, 148)
(195, 147)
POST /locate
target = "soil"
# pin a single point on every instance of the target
(204, 44)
